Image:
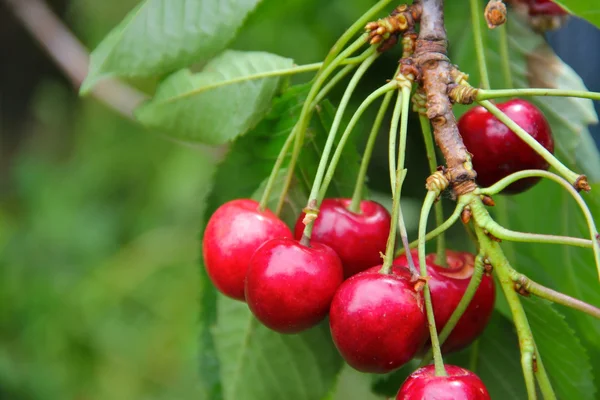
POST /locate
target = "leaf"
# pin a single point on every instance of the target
(565, 359)
(160, 36)
(257, 363)
(587, 9)
(188, 107)
(353, 385)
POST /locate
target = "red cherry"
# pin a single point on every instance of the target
(289, 286)
(499, 152)
(356, 238)
(378, 321)
(447, 286)
(458, 384)
(232, 235)
(545, 7)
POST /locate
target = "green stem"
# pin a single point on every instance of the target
(496, 94)
(392, 139)
(439, 230)
(476, 18)
(357, 26)
(341, 74)
(317, 183)
(364, 165)
(527, 138)
(435, 343)
(344, 138)
(543, 378)
(440, 257)
(388, 259)
(506, 234)
(306, 113)
(276, 167)
(474, 356)
(461, 306)
(505, 57)
(501, 184)
(534, 288)
(502, 268)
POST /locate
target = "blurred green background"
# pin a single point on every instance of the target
(99, 218)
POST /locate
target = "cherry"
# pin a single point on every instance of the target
(545, 7)
(447, 286)
(232, 235)
(458, 384)
(358, 238)
(378, 321)
(497, 151)
(289, 286)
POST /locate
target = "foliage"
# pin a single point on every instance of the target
(99, 261)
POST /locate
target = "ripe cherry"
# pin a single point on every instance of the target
(497, 151)
(545, 7)
(289, 286)
(447, 286)
(458, 384)
(358, 238)
(232, 235)
(378, 321)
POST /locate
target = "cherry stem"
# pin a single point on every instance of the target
(528, 286)
(505, 57)
(314, 199)
(495, 94)
(527, 138)
(435, 343)
(476, 20)
(595, 237)
(461, 306)
(358, 25)
(440, 257)
(439, 230)
(337, 155)
(393, 135)
(368, 152)
(388, 258)
(502, 268)
(306, 113)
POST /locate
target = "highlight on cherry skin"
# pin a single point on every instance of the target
(289, 286)
(447, 286)
(497, 151)
(232, 235)
(377, 321)
(357, 238)
(459, 384)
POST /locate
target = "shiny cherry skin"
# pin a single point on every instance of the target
(289, 286)
(231, 237)
(358, 238)
(377, 321)
(459, 384)
(545, 7)
(447, 286)
(497, 151)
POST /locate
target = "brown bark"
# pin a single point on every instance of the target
(435, 69)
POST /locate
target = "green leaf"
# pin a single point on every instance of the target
(160, 36)
(353, 385)
(565, 359)
(586, 9)
(189, 107)
(257, 363)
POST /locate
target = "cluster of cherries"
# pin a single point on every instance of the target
(377, 320)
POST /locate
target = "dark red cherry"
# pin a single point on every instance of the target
(459, 384)
(358, 238)
(447, 286)
(232, 235)
(289, 286)
(545, 7)
(497, 151)
(378, 321)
